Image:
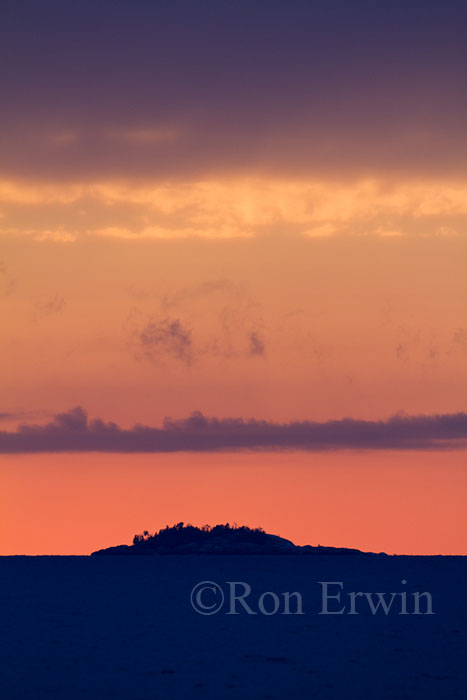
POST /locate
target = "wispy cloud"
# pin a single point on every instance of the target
(460, 339)
(156, 339)
(214, 318)
(73, 432)
(7, 282)
(256, 344)
(21, 415)
(52, 306)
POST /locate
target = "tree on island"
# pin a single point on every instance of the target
(182, 536)
(219, 539)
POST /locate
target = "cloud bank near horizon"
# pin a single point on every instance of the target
(72, 431)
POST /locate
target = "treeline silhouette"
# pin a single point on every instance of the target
(219, 539)
(182, 536)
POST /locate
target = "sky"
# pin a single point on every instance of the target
(233, 257)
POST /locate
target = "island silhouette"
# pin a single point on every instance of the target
(218, 539)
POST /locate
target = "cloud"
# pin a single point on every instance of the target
(220, 312)
(401, 351)
(11, 415)
(159, 338)
(232, 207)
(460, 339)
(73, 432)
(177, 99)
(256, 344)
(207, 289)
(53, 306)
(8, 416)
(7, 283)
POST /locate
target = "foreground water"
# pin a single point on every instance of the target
(137, 629)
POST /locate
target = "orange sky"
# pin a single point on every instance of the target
(359, 326)
(395, 502)
(256, 214)
(348, 325)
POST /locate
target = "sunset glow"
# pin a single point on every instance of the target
(260, 224)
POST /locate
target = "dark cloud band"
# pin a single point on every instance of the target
(189, 88)
(73, 432)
